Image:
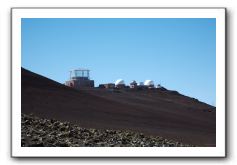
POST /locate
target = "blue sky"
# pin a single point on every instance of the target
(179, 54)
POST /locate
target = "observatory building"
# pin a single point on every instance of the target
(133, 84)
(108, 85)
(80, 78)
(149, 83)
(159, 86)
(119, 83)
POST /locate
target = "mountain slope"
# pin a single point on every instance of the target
(156, 112)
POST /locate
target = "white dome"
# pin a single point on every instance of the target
(119, 82)
(148, 83)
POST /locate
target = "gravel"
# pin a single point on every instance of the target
(39, 132)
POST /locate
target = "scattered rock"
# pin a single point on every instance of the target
(37, 132)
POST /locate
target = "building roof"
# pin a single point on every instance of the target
(80, 69)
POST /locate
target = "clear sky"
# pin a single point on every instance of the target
(179, 54)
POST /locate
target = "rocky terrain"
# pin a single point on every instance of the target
(39, 132)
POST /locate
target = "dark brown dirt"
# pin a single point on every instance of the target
(153, 112)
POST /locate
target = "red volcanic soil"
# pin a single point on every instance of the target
(153, 112)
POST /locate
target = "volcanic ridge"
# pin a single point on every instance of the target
(151, 112)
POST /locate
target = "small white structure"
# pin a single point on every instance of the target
(148, 82)
(119, 83)
(133, 84)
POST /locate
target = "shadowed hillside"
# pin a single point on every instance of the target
(153, 112)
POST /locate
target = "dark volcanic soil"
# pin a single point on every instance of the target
(153, 112)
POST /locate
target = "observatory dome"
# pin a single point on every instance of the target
(119, 82)
(149, 83)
